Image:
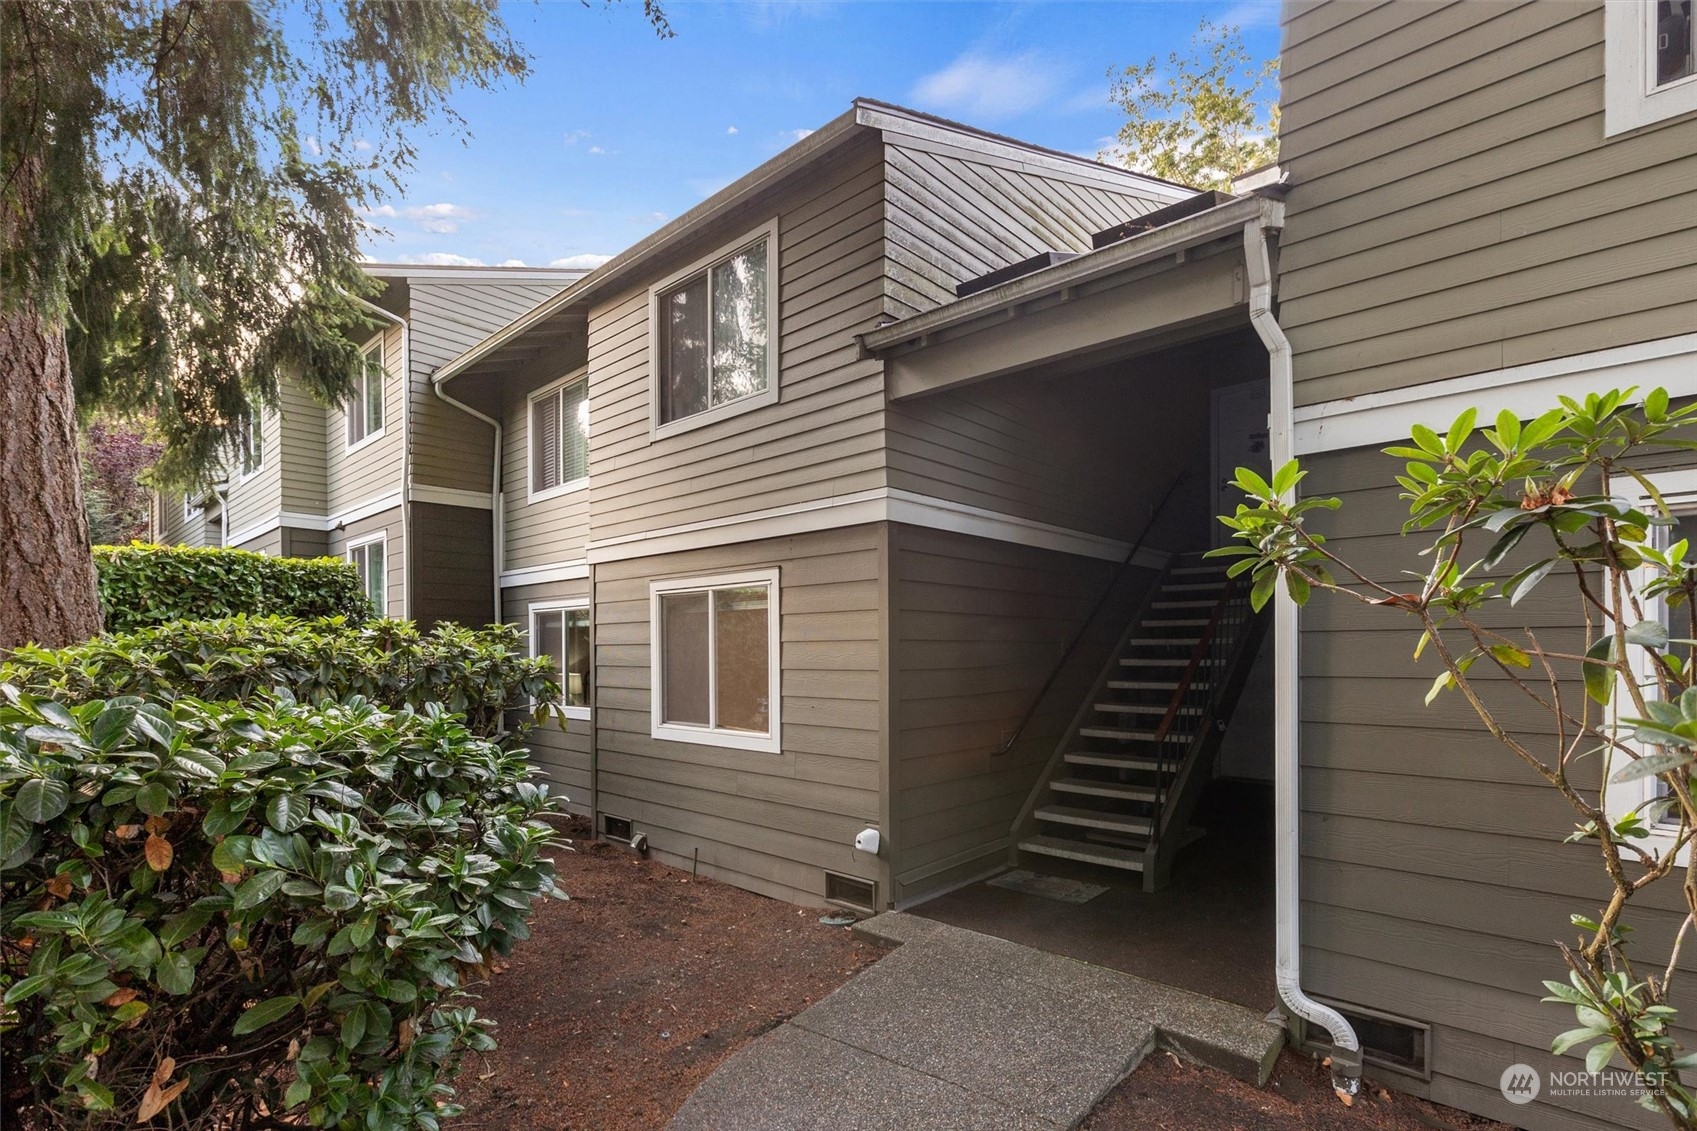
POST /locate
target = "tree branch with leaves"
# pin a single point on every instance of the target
(1571, 488)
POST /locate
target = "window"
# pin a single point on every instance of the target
(713, 335)
(1679, 491)
(252, 458)
(370, 558)
(1648, 70)
(714, 644)
(560, 631)
(559, 438)
(192, 509)
(365, 410)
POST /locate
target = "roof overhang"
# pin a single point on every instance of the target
(1171, 285)
(864, 119)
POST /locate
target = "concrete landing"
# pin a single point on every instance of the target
(957, 1030)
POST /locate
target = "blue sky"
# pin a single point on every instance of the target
(618, 131)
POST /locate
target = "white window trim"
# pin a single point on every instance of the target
(769, 743)
(191, 509)
(1679, 490)
(259, 429)
(767, 396)
(570, 486)
(376, 344)
(554, 606)
(1631, 100)
(367, 540)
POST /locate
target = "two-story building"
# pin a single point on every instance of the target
(865, 496)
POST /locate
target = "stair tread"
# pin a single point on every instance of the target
(1143, 709)
(1127, 858)
(1193, 586)
(1094, 819)
(1161, 641)
(1183, 604)
(1152, 684)
(1174, 622)
(1102, 789)
(1124, 735)
(1112, 761)
(1160, 662)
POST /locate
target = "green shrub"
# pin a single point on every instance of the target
(482, 674)
(219, 911)
(142, 585)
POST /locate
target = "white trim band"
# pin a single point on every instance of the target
(879, 504)
(575, 570)
(1379, 418)
(451, 497)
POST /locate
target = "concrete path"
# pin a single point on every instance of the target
(961, 1031)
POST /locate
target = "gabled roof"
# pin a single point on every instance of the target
(474, 273)
(866, 116)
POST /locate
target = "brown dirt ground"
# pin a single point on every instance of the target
(627, 996)
(1165, 1094)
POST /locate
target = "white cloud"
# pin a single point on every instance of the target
(440, 259)
(790, 137)
(1250, 13)
(597, 150)
(730, 129)
(362, 146)
(587, 261)
(575, 136)
(511, 263)
(985, 86)
(442, 219)
(311, 145)
(386, 211)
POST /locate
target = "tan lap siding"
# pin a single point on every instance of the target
(977, 626)
(1434, 880)
(450, 448)
(1455, 206)
(302, 432)
(560, 748)
(821, 439)
(372, 470)
(389, 522)
(545, 531)
(773, 823)
(256, 501)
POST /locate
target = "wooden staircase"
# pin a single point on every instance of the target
(1125, 778)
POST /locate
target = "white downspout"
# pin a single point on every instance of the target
(1287, 803)
(406, 451)
(498, 509)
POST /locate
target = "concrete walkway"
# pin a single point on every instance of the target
(962, 1031)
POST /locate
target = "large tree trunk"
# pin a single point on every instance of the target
(47, 588)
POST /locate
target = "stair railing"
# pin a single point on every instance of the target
(1090, 618)
(1194, 705)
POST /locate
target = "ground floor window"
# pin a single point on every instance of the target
(715, 660)
(560, 631)
(371, 558)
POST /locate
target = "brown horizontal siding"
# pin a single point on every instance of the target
(1435, 883)
(452, 565)
(977, 626)
(773, 823)
(1455, 207)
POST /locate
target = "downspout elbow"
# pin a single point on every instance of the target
(1346, 1046)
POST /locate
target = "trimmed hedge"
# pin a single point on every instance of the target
(252, 915)
(143, 585)
(482, 674)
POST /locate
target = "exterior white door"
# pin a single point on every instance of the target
(1240, 440)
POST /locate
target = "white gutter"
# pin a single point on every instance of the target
(497, 503)
(1287, 803)
(406, 452)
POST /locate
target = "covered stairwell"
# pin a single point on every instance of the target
(1123, 782)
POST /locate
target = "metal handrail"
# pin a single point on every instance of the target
(1223, 644)
(1090, 618)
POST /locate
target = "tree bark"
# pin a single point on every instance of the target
(47, 583)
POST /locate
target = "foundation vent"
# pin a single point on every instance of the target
(1394, 1044)
(615, 828)
(852, 893)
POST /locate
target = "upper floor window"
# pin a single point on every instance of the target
(1648, 63)
(252, 457)
(559, 438)
(714, 334)
(365, 410)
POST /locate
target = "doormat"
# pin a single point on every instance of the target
(1048, 887)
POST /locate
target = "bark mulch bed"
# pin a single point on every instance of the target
(1166, 1094)
(627, 996)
